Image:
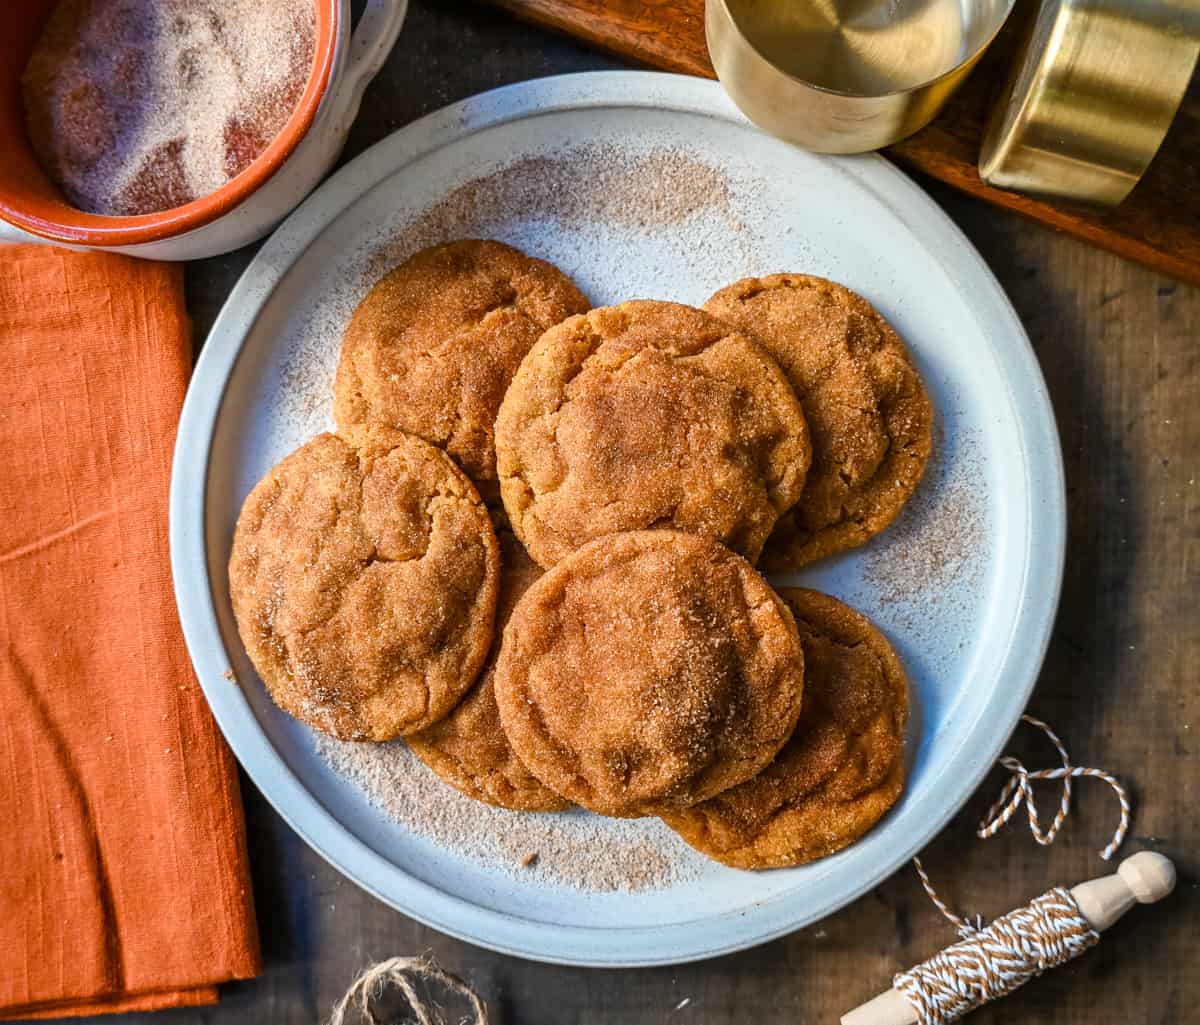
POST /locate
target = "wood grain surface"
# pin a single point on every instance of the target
(1118, 347)
(1158, 225)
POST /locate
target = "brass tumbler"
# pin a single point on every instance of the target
(1092, 97)
(847, 76)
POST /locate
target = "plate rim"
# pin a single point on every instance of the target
(581, 945)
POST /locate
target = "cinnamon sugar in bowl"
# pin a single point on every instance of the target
(210, 200)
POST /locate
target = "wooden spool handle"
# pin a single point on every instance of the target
(1142, 878)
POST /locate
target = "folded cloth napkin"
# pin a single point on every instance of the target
(123, 874)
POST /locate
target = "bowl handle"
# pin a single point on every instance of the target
(370, 45)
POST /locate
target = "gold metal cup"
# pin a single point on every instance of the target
(1092, 97)
(847, 76)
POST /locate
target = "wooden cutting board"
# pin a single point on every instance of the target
(1158, 224)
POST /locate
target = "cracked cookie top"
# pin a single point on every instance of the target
(433, 346)
(468, 749)
(844, 765)
(364, 577)
(648, 415)
(648, 671)
(866, 407)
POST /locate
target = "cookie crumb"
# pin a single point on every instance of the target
(529, 860)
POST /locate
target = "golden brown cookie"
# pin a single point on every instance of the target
(648, 415)
(648, 671)
(468, 749)
(866, 408)
(843, 767)
(364, 577)
(433, 346)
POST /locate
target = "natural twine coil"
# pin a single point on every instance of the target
(986, 964)
(408, 975)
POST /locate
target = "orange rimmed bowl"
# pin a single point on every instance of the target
(244, 209)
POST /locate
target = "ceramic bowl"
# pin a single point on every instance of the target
(244, 209)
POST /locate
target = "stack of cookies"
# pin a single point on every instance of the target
(529, 549)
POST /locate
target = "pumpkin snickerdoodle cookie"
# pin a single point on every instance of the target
(844, 765)
(364, 577)
(648, 671)
(648, 415)
(433, 346)
(468, 749)
(866, 408)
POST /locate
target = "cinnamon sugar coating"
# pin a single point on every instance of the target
(468, 749)
(137, 106)
(842, 768)
(648, 671)
(434, 345)
(364, 577)
(866, 407)
(648, 415)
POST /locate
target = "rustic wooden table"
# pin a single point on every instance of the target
(1121, 352)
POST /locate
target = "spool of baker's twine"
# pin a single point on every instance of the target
(989, 962)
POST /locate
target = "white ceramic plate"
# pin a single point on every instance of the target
(965, 584)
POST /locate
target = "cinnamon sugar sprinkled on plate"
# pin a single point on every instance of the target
(592, 182)
(933, 551)
(573, 849)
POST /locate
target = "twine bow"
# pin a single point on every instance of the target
(1018, 790)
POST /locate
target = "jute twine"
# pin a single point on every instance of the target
(408, 975)
(987, 963)
(993, 961)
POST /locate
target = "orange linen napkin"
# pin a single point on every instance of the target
(123, 875)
